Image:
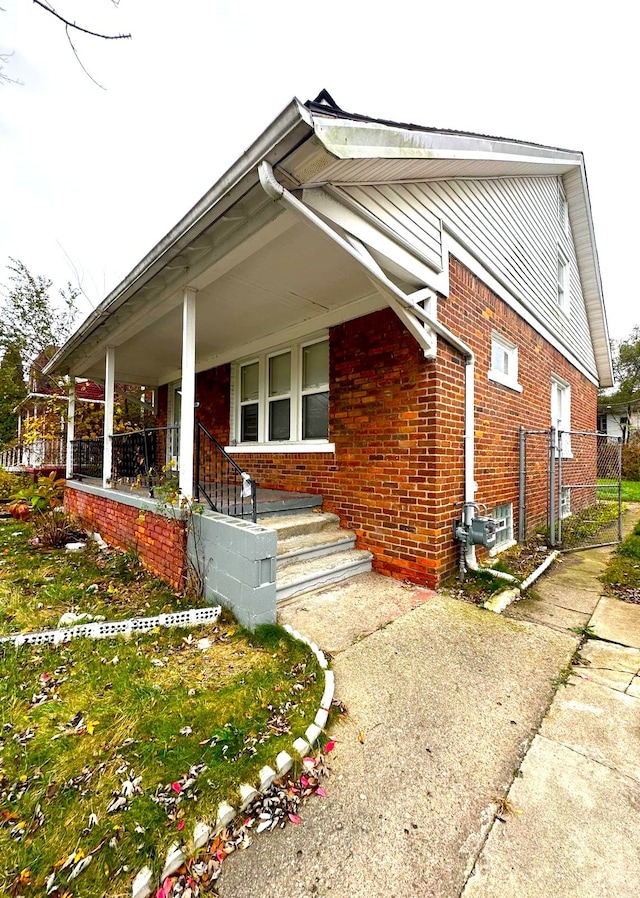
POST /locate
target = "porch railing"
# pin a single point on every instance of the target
(87, 456)
(45, 452)
(139, 456)
(220, 480)
(11, 456)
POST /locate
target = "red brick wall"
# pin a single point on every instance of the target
(472, 311)
(159, 541)
(397, 421)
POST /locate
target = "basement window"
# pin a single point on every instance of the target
(282, 399)
(504, 363)
(503, 516)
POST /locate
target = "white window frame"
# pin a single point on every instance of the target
(238, 392)
(561, 413)
(564, 283)
(263, 444)
(511, 378)
(293, 411)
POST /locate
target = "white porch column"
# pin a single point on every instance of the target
(109, 384)
(71, 422)
(187, 414)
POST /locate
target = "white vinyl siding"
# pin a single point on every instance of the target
(512, 223)
(402, 207)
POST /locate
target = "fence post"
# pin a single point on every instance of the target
(619, 489)
(552, 486)
(522, 443)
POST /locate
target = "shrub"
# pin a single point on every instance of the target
(42, 496)
(11, 483)
(55, 528)
(631, 460)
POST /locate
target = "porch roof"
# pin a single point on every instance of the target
(262, 275)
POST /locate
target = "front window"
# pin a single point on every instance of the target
(315, 391)
(283, 396)
(249, 405)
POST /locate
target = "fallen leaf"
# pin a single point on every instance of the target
(361, 737)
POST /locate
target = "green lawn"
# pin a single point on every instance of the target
(622, 574)
(113, 749)
(630, 489)
(37, 585)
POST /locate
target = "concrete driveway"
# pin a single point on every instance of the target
(443, 703)
(463, 768)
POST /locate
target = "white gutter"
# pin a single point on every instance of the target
(396, 298)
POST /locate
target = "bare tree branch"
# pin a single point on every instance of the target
(4, 78)
(107, 37)
(101, 86)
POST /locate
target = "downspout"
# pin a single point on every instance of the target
(276, 191)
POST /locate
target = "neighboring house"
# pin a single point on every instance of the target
(41, 439)
(366, 311)
(618, 419)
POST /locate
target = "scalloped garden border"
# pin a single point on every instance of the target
(143, 884)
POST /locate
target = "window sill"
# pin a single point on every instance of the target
(273, 448)
(507, 544)
(499, 378)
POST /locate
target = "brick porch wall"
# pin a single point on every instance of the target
(159, 541)
(397, 422)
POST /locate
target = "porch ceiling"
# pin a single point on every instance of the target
(294, 284)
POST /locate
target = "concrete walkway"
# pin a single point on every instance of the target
(448, 715)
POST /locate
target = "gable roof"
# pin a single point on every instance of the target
(312, 144)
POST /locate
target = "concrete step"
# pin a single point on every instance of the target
(299, 523)
(304, 575)
(314, 545)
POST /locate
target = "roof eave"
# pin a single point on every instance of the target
(290, 127)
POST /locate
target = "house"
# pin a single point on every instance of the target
(41, 440)
(619, 419)
(362, 311)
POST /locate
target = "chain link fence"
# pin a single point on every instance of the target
(570, 488)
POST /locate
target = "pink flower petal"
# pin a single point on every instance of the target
(294, 818)
(320, 791)
(180, 824)
(304, 781)
(310, 762)
(220, 855)
(331, 744)
(176, 787)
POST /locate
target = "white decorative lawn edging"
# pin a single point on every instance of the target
(143, 884)
(103, 629)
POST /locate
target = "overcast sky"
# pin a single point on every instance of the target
(91, 179)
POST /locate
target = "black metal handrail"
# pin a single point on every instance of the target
(220, 480)
(136, 454)
(87, 456)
